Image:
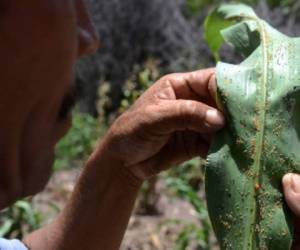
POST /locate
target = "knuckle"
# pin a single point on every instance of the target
(168, 77)
(165, 79)
(185, 111)
(173, 77)
(198, 77)
(191, 114)
(188, 107)
(194, 76)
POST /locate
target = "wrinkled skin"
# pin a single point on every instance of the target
(173, 121)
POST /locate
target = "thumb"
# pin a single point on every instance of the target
(291, 190)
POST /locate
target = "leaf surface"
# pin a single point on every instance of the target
(247, 160)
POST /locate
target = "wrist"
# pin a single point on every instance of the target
(103, 160)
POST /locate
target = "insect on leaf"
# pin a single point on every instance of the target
(261, 141)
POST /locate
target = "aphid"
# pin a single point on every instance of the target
(257, 186)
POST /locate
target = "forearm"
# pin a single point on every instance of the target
(97, 214)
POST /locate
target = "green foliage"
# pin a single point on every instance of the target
(185, 181)
(192, 232)
(215, 21)
(79, 142)
(212, 26)
(248, 158)
(141, 79)
(191, 172)
(148, 198)
(18, 220)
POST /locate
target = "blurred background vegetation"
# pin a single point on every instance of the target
(142, 40)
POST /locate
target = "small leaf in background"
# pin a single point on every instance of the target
(213, 25)
(219, 20)
(19, 220)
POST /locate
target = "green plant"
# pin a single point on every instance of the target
(18, 220)
(190, 172)
(190, 231)
(141, 79)
(79, 142)
(214, 22)
(148, 198)
(260, 98)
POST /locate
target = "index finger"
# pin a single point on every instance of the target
(195, 85)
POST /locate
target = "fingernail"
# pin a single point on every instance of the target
(287, 181)
(214, 117)
(296, 183)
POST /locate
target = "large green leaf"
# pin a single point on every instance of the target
(247, 160)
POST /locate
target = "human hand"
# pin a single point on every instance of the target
(291, 190)
(173, 121)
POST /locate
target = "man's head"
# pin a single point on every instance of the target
(40, 40)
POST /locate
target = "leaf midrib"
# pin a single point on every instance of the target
(261, 115)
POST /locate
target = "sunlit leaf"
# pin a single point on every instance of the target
(260, 98)
(220, 19)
